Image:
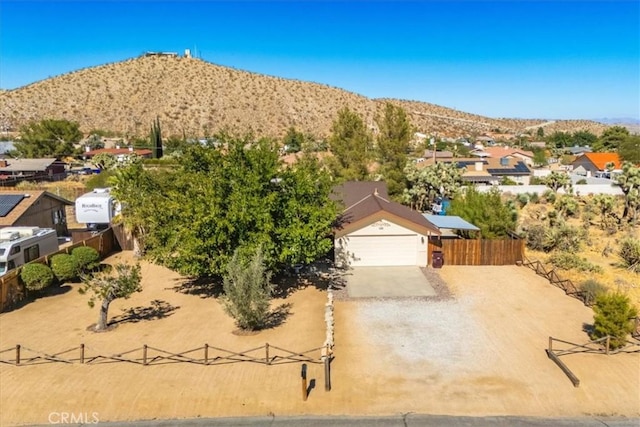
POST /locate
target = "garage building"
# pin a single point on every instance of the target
(372, 230)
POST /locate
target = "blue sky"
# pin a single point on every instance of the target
(540, 59)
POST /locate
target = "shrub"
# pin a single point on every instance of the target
(522, 199)
(247, 289)
(36, 276)
(571, 261)
(581, 181)
(86, 258)
(564, 238)
(536, 237)
(593, 289)
(630, 254)
(549, 196)
(64, 267)
(613, 316)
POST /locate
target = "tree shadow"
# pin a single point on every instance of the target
(278, 316)
(157, 310)
(205, 287)
(24, 298)
(322, 275)
(588, 329)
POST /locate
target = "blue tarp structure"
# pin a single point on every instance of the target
(450, 222)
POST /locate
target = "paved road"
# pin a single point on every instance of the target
(406, 420)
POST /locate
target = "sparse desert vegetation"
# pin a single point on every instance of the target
(197, 98)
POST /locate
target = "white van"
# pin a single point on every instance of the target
(20, 245)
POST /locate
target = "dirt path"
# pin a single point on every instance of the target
(482, 353)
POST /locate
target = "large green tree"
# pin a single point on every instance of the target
(48, 138)
(611, 139)
(393, 146)
(351, 144)
(234, 197)
(584, 138)
(487, 211)
(629, 149)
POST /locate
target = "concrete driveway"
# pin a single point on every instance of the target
(380, 282)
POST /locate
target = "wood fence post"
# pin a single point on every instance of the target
(144, 355)
(550, 344)
(608, 343)
(81, 353)
(303, 374)
(17, 354)
(206, 354)
(266, 350)
(327, 371)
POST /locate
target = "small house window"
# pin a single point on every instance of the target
(15, 250)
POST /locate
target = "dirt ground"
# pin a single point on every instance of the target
(481, 353)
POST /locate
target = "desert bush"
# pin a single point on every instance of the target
(630, 254)
(566, 205)
(613, 316)
(535, 237)
(523, 199)
(564, 238)
(571, 261)
(549, 196)
(64, 267)
(86, 258)
(247, 289)
(36, 276)
(593, 289)
(534, 198)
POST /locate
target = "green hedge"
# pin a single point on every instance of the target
(64, 267)
(36, 276)
(86, 258)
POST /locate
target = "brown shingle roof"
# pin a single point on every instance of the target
(367, 201)
(26, 203)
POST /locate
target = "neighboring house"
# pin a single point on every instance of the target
(489, 170)
(485, 141)
(430, 154)
(500, 152)
(33, 208)
(577, 151)
(16, 170)
(591, 164)
(121, 154)
(374, 231)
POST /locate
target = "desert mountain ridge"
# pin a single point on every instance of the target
(193, 97)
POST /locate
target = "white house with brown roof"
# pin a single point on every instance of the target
(374, 231)
(33, 208)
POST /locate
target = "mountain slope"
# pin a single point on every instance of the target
(196, 98)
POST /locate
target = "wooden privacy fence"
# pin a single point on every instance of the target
(479, 251)
(566, 285)
(599, 346)
(11, 288)
(148, 355)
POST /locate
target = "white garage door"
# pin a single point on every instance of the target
(382, 250)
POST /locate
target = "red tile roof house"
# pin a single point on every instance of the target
(590, 163)
(119, 153)
(374, 231)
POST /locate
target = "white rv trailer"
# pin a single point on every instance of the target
(20, 245)
(96, 209)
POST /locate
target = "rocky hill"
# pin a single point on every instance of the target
(196, 98)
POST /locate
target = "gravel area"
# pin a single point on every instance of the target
(338, 285)
(439, 333)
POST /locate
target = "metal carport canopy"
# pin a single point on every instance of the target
(450, 222)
